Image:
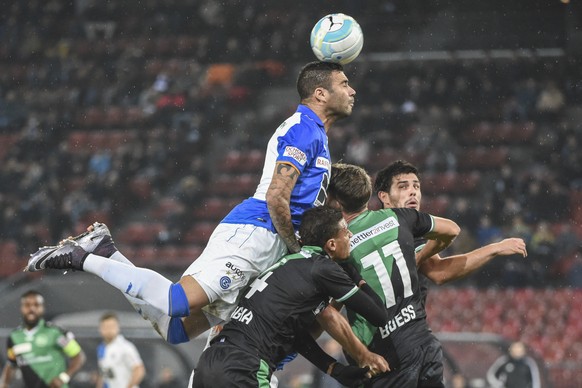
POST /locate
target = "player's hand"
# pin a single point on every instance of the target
(348, 375)
(376, 363)
(56, 383)
(512, 246)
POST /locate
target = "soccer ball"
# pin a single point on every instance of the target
(336, 38)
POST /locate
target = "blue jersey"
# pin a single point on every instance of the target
(300, 141)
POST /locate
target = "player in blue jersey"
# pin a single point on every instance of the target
(383, 254)
(249, 239)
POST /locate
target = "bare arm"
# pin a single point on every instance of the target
(7, 374)
(339, 329)
(137, 375)
(278, 201)
(442, 236)
(75, 363)
(443, 270)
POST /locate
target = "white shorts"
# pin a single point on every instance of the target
(234, 256)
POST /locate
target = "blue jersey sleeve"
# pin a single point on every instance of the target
(298, 146)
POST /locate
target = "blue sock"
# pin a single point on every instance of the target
(176, 332)
(179, 306)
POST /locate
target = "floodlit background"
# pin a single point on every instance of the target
(152, 116)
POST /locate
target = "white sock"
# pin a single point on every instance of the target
(141, 283)
(119, 257)
(159, 319)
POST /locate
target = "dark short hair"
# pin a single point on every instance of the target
(108, 315)
(30, 293)
(350, 185)
(318, 225)
(386, 175)
(314, 75)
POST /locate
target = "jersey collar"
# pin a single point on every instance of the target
(313, 249)
(41, 323)
(304, 109)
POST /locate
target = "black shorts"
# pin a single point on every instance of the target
(226, 365)
(422, 368)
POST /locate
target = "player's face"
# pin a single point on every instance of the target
(341, 96)
(109, 329)
(404, 192)
(32, 310)
(342, 242)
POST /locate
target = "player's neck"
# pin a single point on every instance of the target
(350, 216)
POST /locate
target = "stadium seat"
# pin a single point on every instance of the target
(213, 209)
(199, 233)
(139, 233)
(481, 157)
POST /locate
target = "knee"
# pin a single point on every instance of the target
(176, 332)
(179, 305)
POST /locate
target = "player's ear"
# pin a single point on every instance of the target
(330, 247)
(320, 94)
(384, 198)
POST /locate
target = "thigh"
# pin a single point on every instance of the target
(235, 255)
(422, 367)
(406, 376)
(223, 365)
(431, 374)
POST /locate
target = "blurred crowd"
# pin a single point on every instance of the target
(167, 88)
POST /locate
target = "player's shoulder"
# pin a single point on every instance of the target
(51, 326)
(323, 264)
(17, 330)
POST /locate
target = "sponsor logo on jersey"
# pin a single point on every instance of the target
(234, 271)
(22, 348)
(225, 282)
(322, 162)
(242, 314)
(295, 153)
(405, 315)
(384, 226)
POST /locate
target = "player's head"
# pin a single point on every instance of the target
(326, 228)
(31, 308)
(350, 188)
(109, 327)
(517, 350)
(398, 185)
(325, 84)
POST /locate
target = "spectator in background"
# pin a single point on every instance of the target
(575, 270)
(487, 233)
(550, 102)
(46, 355)
(514, 370)
(459, 381)
(120, 364)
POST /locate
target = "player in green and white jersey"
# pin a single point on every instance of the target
(382, 252)
(40, 349)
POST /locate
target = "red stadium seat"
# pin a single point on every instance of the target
(200, 233)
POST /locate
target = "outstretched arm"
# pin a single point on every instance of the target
(443, 270)
(442, 235)
(278, 198)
